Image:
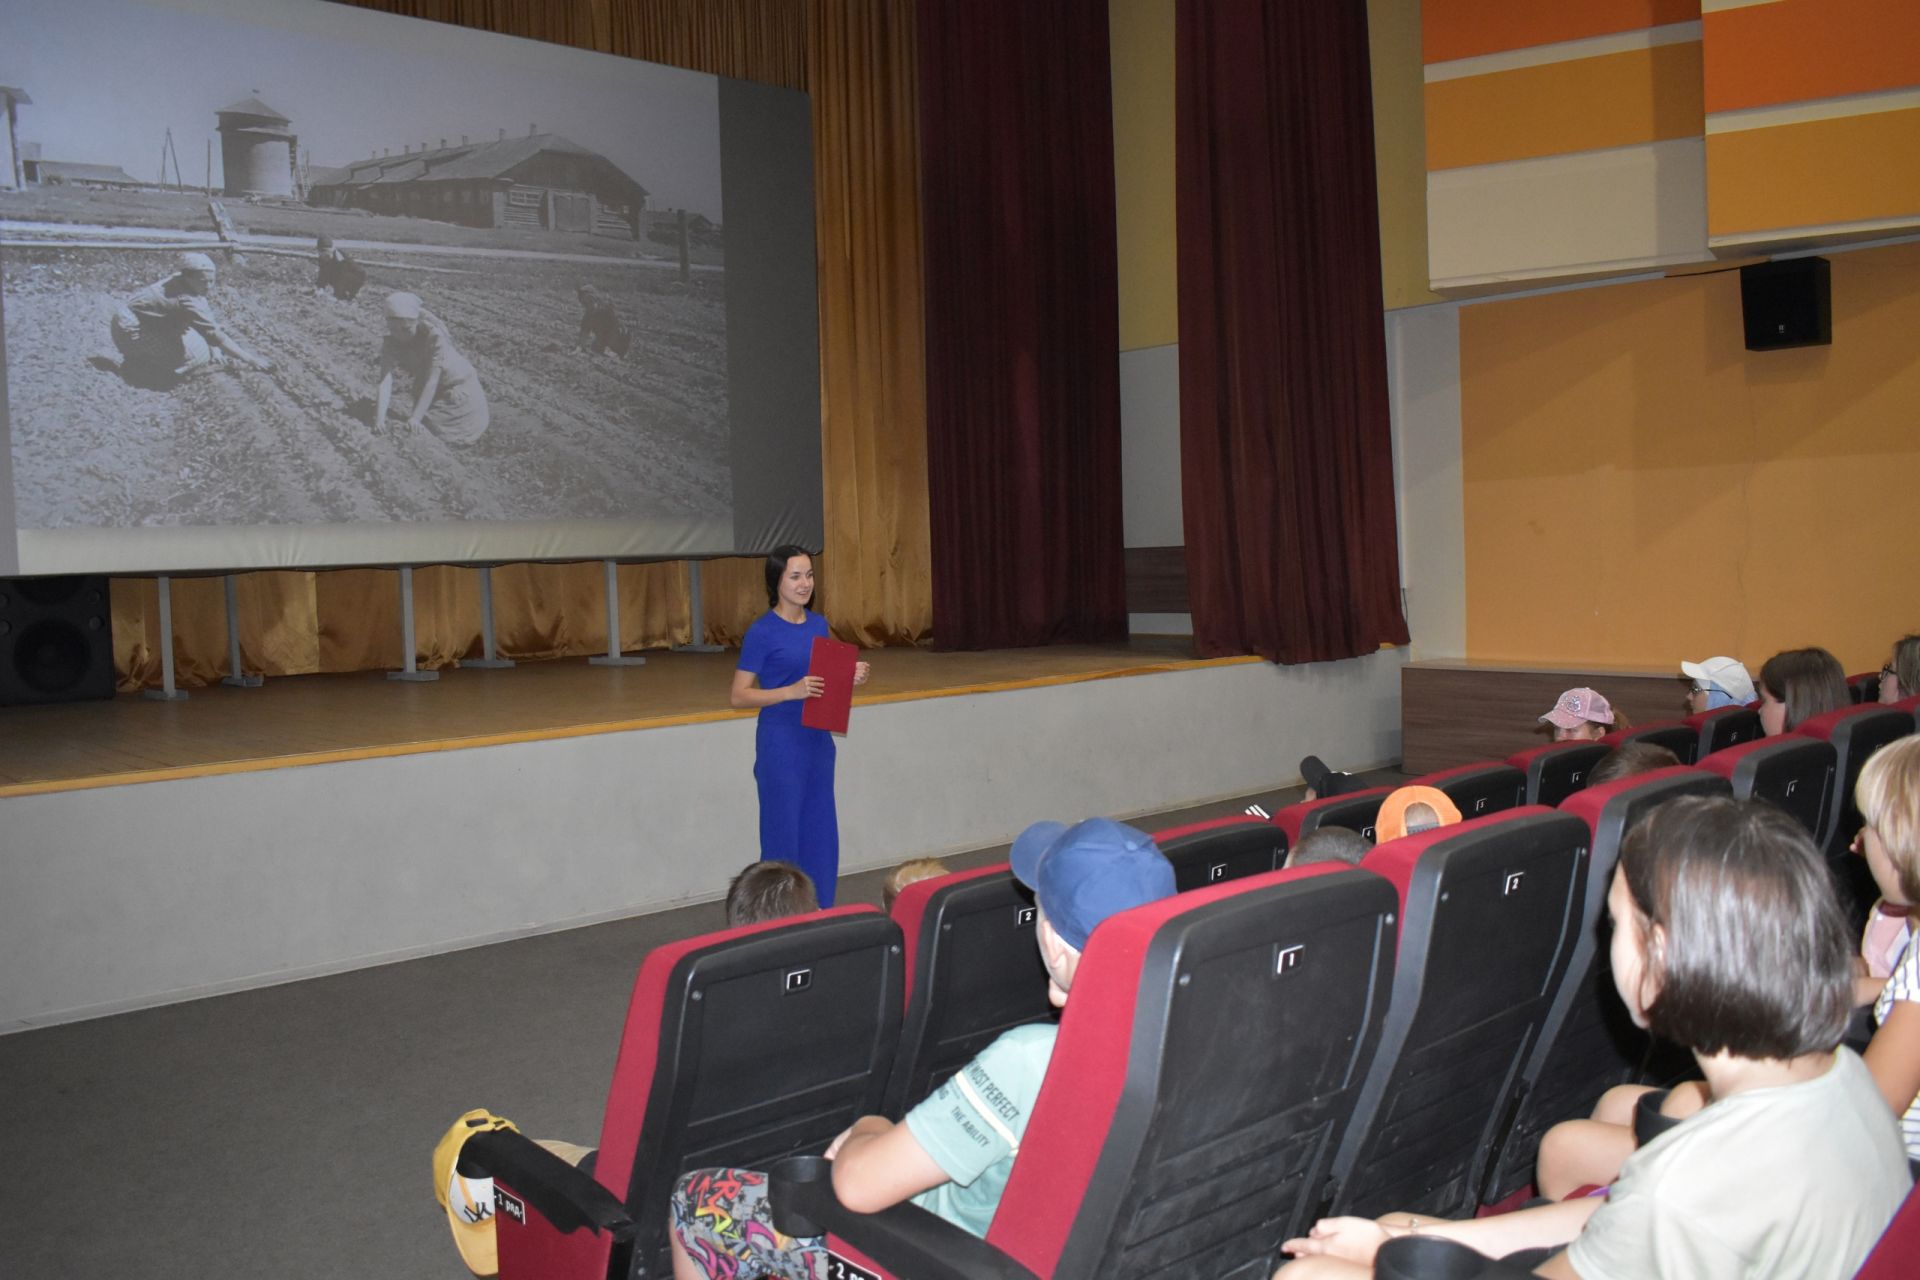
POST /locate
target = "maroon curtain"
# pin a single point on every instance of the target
(1022, 323)
(1286, 457)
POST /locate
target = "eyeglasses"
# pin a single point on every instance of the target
(1886, 671)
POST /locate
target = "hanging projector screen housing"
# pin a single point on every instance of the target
(614, 347)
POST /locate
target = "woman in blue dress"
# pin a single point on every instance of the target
(793, 764)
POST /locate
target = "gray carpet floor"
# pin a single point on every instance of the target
(286, 1132)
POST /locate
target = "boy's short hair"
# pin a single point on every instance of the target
(769, 891)
(1810, 682)
(1329, 844)
(907, 873)
(1888, 796)
(1755, 959)
(1630, 760)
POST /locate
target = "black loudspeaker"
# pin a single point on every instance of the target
(56, 640)
(1787, 304)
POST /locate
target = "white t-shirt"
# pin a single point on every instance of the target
(1903, 984)
(1795, 1182)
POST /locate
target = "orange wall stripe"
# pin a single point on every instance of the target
(1452, 29)
(1804, 50)
(1616, 100)
(1816, 174)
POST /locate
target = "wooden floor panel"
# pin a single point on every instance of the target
(316, 719)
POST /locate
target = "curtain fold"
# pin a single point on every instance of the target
(1022, 323)
(866, 174)
(856, 58)
(1286, 451)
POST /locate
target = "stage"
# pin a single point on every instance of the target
(325, 719)
(152, 852)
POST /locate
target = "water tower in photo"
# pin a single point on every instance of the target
(257, 147)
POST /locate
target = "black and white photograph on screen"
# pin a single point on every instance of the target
(280, 262)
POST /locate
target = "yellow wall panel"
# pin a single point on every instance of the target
(1814, 174)
(1638, 487)
(1399, 151)
(1614, 100)
(1141, 38)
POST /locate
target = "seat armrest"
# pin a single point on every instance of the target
(1434, 1258)
(567, 1198)
(905, 1239)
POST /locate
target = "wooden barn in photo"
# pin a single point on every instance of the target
(539, 182)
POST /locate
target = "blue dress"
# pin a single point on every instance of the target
(793, 764)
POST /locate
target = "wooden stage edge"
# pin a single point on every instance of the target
(326, 719)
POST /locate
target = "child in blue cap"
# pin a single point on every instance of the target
(952, 1154)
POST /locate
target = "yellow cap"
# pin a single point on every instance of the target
(468, 1201)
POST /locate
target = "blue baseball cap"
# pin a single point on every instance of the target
(1086, 872)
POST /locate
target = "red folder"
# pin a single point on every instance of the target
(832, 661)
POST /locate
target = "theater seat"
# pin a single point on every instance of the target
(1204, 853)
(1587, 1042)
(972, 971)
(1864, 687)
(1558, 769)
(740, 1048)
(1152, 1149)
(1909, 705)
(1725, 727)
(1677, 736)
(1356, 811)
(1479, 790)
(1856, 733)
(1792, 771)
(1893, 1257)
(1489, 911)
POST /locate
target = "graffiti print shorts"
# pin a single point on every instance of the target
(723, 1222)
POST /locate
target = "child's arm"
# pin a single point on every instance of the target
(1893, 1056)
(877, 1164)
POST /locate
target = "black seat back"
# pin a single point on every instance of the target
(1479, 790)
(1856, 733)
(1490, 910)
(1791, 771)
(1205, 853)
(1725, 727)
(1210, 1157)
(1558, 769)
(1676, 736)
(746, 1046)
(1588, 1043)
(973, 970)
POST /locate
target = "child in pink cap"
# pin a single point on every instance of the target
(1581, 715)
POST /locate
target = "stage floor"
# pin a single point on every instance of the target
(320, 719)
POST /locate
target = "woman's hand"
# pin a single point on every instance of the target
(806, 687)
(860, 670)
(1351, 1239)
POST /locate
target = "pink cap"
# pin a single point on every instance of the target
(1577, 706)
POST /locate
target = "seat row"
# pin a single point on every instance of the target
(1235, 1060)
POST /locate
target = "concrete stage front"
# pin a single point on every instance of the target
(153, 852)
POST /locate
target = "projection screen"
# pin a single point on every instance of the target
(581, 287)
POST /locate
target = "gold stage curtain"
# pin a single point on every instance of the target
(873, 401)
(857, 60)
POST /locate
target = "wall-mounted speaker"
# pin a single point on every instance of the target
(56, 640)
(1787, 304)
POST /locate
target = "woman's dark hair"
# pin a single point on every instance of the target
(769, 891)
(1754, 957)
(1810, 681)
(1629, 760)
(1906, 665)
(777, 565)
